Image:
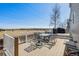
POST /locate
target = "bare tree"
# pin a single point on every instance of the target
(68, 25)
(55, 15)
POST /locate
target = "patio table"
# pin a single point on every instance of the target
(45, 36)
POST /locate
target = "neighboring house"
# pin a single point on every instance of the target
(74, 22)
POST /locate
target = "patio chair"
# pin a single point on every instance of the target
(71, 48)
(50, 44)
(37, 40)
(70, 43)
(71, 51)
(30, 48)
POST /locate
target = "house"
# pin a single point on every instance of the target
(74, 22)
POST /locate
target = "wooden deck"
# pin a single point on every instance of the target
(56, 50)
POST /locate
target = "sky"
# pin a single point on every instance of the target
(29, 15)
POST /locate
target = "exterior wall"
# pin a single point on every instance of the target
(74, 22)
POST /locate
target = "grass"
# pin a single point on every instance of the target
(1, 34)
(19, 32)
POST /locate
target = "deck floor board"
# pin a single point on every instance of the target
(56, 50)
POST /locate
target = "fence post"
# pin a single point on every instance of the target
(16, 47)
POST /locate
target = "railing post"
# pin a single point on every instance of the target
(16, 47)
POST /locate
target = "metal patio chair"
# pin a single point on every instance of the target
(71, 48)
